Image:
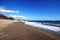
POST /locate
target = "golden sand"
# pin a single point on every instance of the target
(15, 30)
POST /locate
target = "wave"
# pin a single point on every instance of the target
(39, 25)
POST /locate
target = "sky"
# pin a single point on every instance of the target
(31, 9)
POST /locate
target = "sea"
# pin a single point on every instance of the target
(47, 26)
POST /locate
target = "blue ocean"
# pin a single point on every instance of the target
(51, 23)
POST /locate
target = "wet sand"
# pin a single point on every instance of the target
(15, 30)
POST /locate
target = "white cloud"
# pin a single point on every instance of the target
(2, 9)
(18, 17)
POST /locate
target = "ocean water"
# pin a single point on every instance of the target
(50, 26)
(51, 23)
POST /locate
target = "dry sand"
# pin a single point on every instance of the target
(15, 30)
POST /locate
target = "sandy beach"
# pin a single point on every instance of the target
(15, 30)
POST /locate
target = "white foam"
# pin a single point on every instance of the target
(56, 29)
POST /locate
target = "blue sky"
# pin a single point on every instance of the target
(32, 9)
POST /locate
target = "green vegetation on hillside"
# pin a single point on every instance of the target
(11, 18)
(5, 17)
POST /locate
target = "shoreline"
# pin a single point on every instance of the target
(18, 30)
(46, 30)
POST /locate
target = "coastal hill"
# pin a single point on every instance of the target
(5, 17)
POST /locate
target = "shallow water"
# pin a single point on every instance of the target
(53, 28)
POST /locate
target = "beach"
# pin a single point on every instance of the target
(16, 30)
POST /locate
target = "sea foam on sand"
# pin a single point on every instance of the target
(39, 25)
